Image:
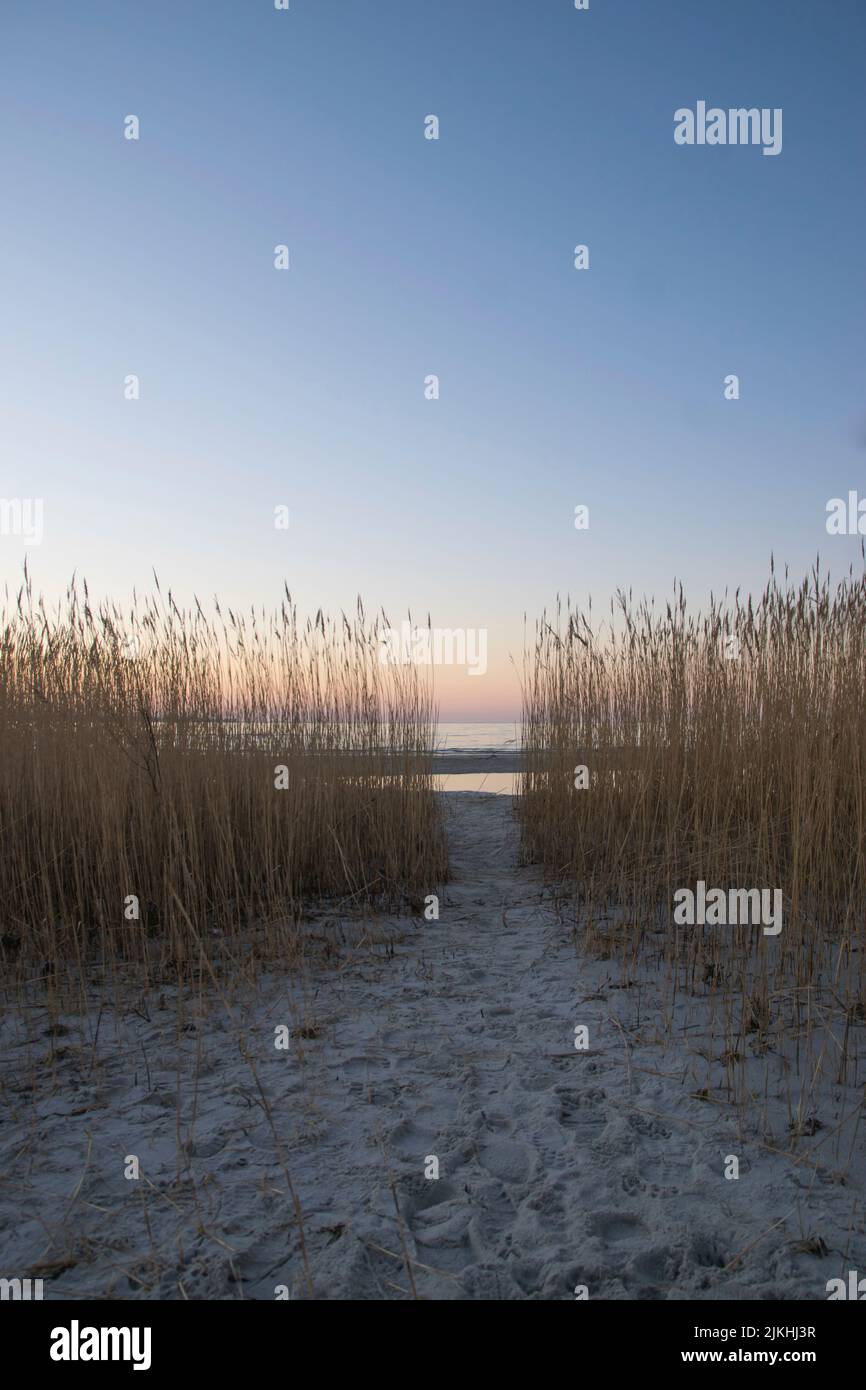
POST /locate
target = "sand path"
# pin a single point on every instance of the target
(449, 1040)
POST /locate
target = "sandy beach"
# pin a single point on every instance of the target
(410, 1041)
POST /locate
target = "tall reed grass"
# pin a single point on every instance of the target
(139, 757)
(727, 746)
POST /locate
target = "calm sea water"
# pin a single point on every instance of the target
(468, 739)
(477, 738)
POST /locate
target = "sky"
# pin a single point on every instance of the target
(410, 257)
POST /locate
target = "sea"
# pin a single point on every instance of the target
(475, 757)
(477, 738)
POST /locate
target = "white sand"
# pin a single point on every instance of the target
(452, 1038)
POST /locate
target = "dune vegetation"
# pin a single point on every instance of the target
(176, 786)
(668, 750)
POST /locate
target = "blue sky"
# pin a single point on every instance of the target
(411, 257)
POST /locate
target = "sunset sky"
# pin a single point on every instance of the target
(410, 257)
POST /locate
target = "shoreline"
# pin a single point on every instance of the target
(475, 762)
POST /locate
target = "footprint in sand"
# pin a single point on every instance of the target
(576, 1107)
(508, 1159)
(611, 1227)
(363, 1066)
(411, 1140)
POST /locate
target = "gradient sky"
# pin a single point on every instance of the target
(411, 257)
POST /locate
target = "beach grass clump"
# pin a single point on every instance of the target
(176, 783)
(668, 749)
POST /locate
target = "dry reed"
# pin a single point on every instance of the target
(140, 758)
(730, 747)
